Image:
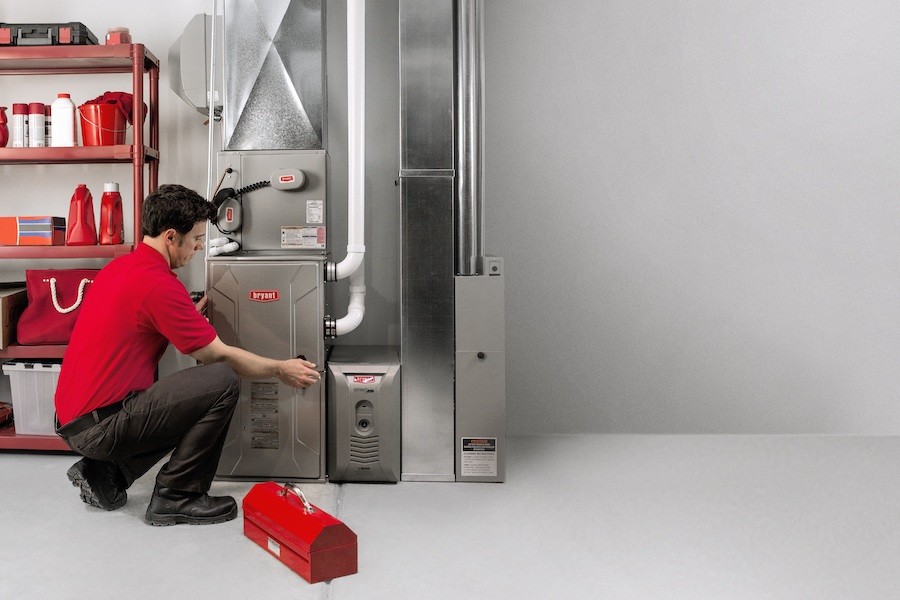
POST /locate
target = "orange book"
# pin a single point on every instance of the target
(32, 231)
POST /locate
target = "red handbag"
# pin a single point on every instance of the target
(54, 299)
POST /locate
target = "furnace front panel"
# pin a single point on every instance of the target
(272, 308)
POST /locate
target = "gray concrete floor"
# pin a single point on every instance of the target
(582, 516)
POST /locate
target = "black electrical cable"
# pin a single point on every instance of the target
(219, 185)
(253, 186)
(226, 193)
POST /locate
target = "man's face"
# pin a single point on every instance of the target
(188, 245)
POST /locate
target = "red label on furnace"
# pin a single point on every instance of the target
(264, 295)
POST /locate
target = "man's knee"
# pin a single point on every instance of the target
(229, 381)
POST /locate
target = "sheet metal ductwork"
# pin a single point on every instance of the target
(452, 296)
(274, 74)
(452, 313)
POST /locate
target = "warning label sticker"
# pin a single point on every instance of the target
(479, 457)
(264, 415)
(296, 236)
(315, 211)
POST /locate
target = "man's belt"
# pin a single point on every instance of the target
(79, 424)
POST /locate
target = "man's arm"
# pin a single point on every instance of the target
(294, 372)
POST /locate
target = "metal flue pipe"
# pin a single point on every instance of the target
(469, 82)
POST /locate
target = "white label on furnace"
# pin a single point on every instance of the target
(479, 457)
(295, 236)
(315, 211)
(264, 415)
(274, 547)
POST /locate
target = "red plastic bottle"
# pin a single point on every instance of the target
(4, 128)
(81, 229)
(112, 222)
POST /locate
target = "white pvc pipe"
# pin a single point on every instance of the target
(351, 262)
(356, 138)
(356, 150)
(356, 123)
(356, 310)
(210, 142)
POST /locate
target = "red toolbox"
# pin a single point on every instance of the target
(41, 34)
(301, 535)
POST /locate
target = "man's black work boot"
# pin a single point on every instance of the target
(170, 507)
(100, 482)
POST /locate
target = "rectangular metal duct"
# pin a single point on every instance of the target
(427, 252)
(452, 307)
(274, 74)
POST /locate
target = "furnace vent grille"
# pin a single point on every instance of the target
(364, 449)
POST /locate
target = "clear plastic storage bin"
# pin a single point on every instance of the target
(33, 385)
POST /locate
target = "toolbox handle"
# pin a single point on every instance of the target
(291, 487)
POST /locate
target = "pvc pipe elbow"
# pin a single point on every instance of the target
(224, 248)
(348, 266)
(351, 321)
(356, 310)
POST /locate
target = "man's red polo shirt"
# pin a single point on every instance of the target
(131, 312)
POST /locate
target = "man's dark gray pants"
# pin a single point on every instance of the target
(186, 413)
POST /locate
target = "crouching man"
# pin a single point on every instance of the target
(109, 407)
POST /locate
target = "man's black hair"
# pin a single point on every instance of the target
(174, 206)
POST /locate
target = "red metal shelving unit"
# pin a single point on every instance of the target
(142, 154)
(9, 440)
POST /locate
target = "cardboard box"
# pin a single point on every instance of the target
(32, 231)
(33, 386)
(12, 303)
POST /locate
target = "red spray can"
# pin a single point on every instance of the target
(112, 223)
(81, 229)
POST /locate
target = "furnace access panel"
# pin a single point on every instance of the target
(275, 218)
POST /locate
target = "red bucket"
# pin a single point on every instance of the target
(102, 125)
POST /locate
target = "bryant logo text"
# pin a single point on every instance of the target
(264, 295)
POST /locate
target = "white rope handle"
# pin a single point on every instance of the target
(56, 305)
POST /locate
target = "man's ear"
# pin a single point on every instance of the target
(170, 235)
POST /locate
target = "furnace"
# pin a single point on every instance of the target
(268, 298)
(267, 271)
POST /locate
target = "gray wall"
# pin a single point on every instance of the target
(698, 206)
(696, 202)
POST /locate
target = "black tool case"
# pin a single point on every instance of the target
(44, 34)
